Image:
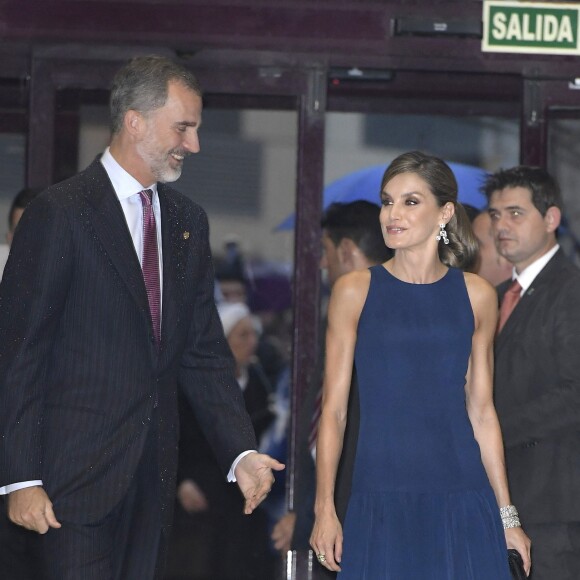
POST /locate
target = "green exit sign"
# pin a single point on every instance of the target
(530, 27)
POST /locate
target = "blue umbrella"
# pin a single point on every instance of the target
(365, 184)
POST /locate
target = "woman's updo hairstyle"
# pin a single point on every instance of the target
(461, 252)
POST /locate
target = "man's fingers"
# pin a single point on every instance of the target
(255, 478)
(51, 518)
(259, 498)
(264, 487)
(276, 465)
(35, 521)
(32, 509)
(271, 463)
(256, 496)
(41, 525)
(250, 506)
(253, 502)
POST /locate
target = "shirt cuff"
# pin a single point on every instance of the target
(16, 486)
(231, 474)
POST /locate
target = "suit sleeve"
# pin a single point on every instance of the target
(557, 410)
(207, 375)
(32, 294)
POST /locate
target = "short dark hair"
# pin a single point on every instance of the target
(359, 222)
(21, 201)
(142, 85)
(543, 188)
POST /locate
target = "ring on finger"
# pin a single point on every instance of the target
(321, 558)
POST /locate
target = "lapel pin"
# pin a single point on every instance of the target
(185, 235)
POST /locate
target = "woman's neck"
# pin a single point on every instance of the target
(416, 268)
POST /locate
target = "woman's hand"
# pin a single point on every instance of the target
(326, 540)
(517, 539)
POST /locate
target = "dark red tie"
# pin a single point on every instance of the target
(150, 263)
(510, 299)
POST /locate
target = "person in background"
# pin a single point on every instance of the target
(351, 240)
(537, 366)
(210, 511)
(471, 211)
(106, 312)
(235, 288)
(490, 265)
(19, 204)
(429, 491)
(230, 273)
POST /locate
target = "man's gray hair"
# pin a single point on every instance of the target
(142, 85)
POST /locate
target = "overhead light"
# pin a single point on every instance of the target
(337, 75)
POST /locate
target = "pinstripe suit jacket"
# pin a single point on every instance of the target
(79, 370)
(537, 395)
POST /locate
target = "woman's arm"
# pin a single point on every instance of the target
(346, 303)
(479, 400)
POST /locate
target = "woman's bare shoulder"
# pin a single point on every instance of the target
(479, 290)
(353, 284)
(350, 290)
(483, 297)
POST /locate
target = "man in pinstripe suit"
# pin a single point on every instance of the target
(88, 378)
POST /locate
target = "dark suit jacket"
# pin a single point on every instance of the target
(537, 395)
(196, 459)
(80, 374)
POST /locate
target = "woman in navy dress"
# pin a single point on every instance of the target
(429, 493)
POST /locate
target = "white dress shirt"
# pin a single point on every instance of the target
(127, 189)
(528, 275)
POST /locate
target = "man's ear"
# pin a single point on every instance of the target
(347, 251)
(552, 218)
(133, 122)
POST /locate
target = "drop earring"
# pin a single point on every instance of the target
(442, 234)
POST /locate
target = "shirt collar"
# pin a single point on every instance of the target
(529, 274)
(124, 184)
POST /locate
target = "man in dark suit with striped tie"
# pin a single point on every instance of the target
(537, 367)
(106, 310)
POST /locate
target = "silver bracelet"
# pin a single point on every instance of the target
(509, 517)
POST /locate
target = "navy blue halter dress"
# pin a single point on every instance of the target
(421, 506)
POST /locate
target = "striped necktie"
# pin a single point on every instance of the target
(150, 263)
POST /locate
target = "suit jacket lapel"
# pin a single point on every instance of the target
(529, 297)
(110, 225)
(175, 236)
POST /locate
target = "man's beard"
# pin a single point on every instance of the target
(159, 163)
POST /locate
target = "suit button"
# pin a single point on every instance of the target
(152, 338)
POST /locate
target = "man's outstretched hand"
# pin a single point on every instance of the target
(254, 476)
(31, 509)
